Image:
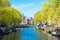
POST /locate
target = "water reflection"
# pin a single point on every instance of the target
(29, 34)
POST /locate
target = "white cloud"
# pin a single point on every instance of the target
(23, 5)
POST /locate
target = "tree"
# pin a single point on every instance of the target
(42, 15)
(4, 3)
(50, 12)
(55, 6)
(8, 14)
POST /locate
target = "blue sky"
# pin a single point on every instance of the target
(27, 7)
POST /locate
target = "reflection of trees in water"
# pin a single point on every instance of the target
(42, 36)
(12, 36)
(39, 36)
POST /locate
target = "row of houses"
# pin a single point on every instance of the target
(26, 20)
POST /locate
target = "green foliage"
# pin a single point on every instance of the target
(4, 3)
(50, 12)
(42, 15)
(10, 15)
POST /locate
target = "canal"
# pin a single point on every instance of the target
(29, 34)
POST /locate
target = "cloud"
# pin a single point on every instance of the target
(27, 5)
(23, 5)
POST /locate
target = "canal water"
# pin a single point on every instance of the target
(29, 34)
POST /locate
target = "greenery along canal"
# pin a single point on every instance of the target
(30, 34)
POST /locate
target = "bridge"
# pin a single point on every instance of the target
(27, 26)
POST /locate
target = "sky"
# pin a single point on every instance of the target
(27, 7)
